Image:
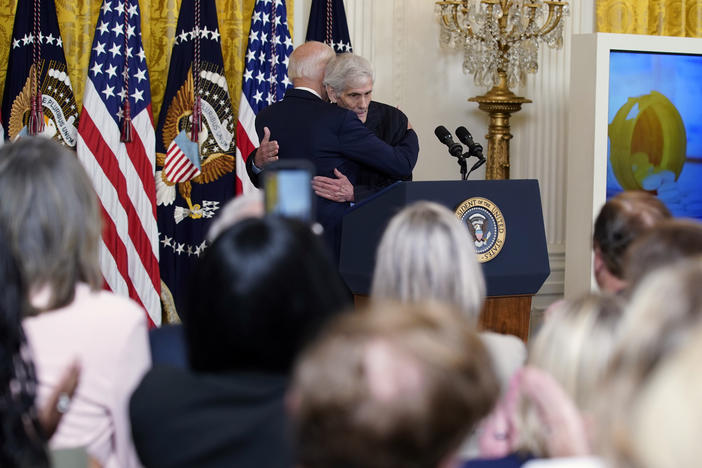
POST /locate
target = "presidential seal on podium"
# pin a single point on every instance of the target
(486, 224)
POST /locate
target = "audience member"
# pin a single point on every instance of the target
(247, 205)
(22, 440)
(348, 79)
(666, 417)
(555, 394)
(258, 294)
(167, 343)
(426, 254)
(396, 386)
(621, 220)
(660, 319)
(51, 219)
(668, 242)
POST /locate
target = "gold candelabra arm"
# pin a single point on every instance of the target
(451, 20)
(555, 14)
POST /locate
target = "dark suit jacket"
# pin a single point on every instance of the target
(331, 138)
(167, 345)
(184, 419)
(390, 125)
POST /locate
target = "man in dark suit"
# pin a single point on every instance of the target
(348, 80)
(307, 127)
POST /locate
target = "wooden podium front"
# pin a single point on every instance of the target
(512, 276)
(508, 315)
(504, 314)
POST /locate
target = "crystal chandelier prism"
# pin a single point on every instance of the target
(500, 38)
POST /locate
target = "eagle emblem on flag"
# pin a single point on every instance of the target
(38, 99)
(209, 155)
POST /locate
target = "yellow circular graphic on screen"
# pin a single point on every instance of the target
(647, 141)
(486, 225)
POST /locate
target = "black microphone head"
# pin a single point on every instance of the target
(464, 135)
(443, 134)
(477, 150)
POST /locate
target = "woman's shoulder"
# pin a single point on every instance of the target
(106, 304)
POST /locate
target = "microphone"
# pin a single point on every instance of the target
(474, 149)
(444, 136)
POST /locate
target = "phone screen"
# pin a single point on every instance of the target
(288, 190)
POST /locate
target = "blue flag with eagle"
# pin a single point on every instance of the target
(328, 24)
(38, 97)
(195, 148)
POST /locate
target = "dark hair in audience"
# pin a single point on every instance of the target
(51, 218)
(666, 243)
(621, 220)
(20, 441)
(258, 294)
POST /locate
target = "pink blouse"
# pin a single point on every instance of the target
(108, 335)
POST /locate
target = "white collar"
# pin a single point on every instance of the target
(304, 88)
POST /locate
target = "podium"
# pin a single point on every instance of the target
(513, 276)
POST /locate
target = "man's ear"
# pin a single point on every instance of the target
(331, 94)
(598, 261)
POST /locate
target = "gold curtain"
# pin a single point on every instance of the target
(653, 17)
(159, 18)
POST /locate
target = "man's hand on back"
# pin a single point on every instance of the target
(338, 190)
(267, 152)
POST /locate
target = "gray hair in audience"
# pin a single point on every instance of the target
(426, 254)
(307, 62)
(51, 215)
(248, 205)
(347, 71)
(575, 346)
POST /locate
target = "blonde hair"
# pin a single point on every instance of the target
(426, 253)
(666, 419)
(663, 311)
(574, 346)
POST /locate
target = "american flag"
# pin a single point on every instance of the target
(265, 77)
(182, 161)
(328, 24)
(122, 172)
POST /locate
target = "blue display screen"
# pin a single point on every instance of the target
(655, 128)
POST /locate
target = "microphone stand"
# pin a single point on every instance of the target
(464, 166)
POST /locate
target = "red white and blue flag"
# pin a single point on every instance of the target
(265, 77)
(182, 161)
(116, 144)
(38, 97)
(197, 119)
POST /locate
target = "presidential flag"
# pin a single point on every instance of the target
(194, 145)
(116, 144)
(38, 97)
(328, 24)
(265, 77)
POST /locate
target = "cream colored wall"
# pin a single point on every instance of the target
(400, 38)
